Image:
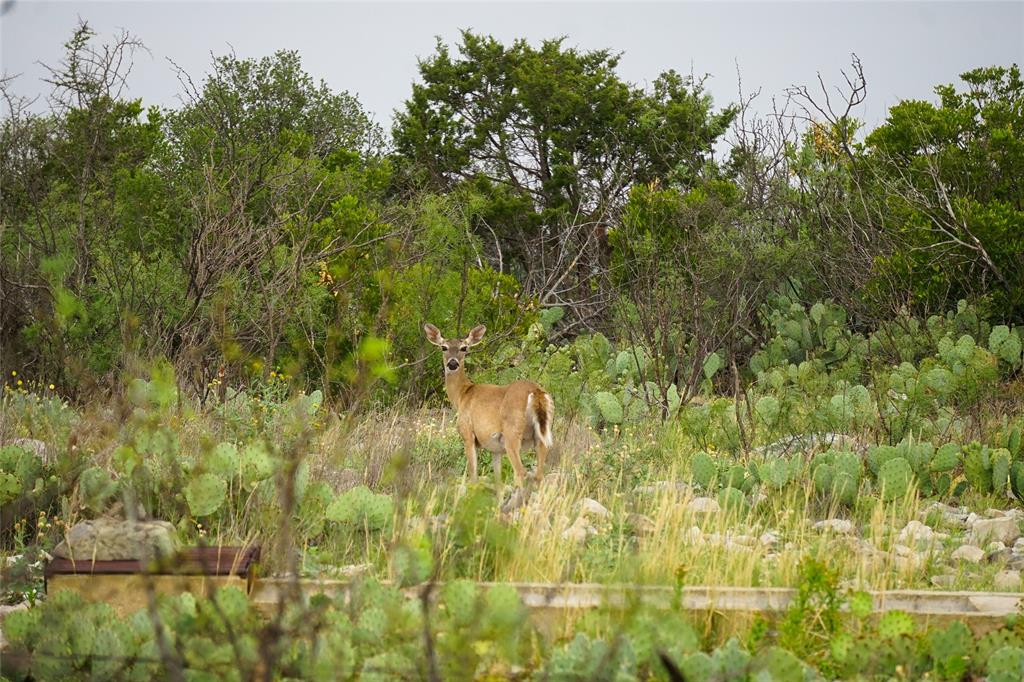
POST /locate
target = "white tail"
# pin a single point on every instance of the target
(542, 421)
(502, 419)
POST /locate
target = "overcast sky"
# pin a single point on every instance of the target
(370, 49)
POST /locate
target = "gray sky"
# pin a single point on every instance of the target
(370, 49)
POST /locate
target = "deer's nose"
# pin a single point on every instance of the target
(453, 364)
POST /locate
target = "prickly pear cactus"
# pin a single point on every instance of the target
(732, 500)
(361, 509)
(894, 624)
(951, 649)
(205, 494)
(461, 601)
(19, 470)
(992, 642)
(222, 461)
(1013, 442)
(609, 406)
(96, 488)
(775, 473)
(732, 659)
(255, 463)
(698, 666)
(704, 469)
(1006, 665)
(780, 665)
(1000, 459)
(879, 455)
(735, 476)
(946, 458)
(978, 467)
(894, 477)
(1017, 479)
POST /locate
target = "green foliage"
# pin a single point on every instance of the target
(19, 472)
(704, 469)
(837, 474)
(361, 509)
(894, 478)
(609, 407)
(205, 494)
(96, 488)
(732, 500)
(1006, 664)
(970, 141)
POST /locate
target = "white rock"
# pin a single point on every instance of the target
(904, 551)
(915, 532)
(838, 526)
(945, 581)
(995, 546)
(968, 553)
(703, 505)
(694, 534)
(770, 538)
(1003, 529)
(589, 507)
(1007, 581)
(110, 539)
(579, 531)
(641, 523)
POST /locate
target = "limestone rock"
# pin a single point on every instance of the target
(837, 526)
(594, 509)
(1004, 529)
(917, 532)
(770, 538)
(579, 531)
(1007, 581)
(111, 539)
(968, 553)
(704, 505)
(642, 525)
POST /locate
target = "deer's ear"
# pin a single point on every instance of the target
(475, 335)
(433, 334)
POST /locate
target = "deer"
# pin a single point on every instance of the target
(500, 419)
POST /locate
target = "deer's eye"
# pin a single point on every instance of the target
(444, 348)
(463, 349)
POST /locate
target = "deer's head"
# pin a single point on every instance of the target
(454, 349)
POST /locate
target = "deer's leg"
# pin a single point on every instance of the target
(513, 442)
(542, 453)
(496, 463)
(469, 441)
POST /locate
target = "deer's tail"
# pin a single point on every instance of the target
(543, 408)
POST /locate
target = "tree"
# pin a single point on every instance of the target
(552, 140)
(953, 177)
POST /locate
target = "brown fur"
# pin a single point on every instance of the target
(502, 419)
